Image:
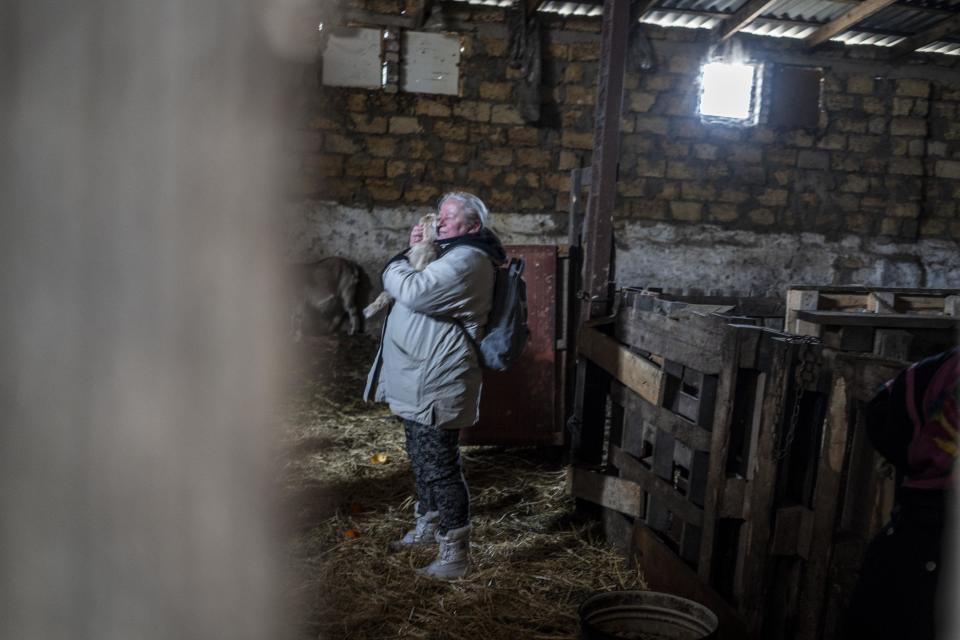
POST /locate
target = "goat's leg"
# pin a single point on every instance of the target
(348, 297)
(382, 302)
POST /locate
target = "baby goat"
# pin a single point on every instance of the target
(420, 255)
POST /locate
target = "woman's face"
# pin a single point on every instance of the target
(452, 223)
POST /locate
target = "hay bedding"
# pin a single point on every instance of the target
(533, 560)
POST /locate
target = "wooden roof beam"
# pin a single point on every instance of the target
(839, 25)
(936, 32)
(744, 16)
(640, 7)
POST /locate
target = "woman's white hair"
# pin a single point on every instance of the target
(471, 206)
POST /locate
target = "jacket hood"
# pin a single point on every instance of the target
(485, 240)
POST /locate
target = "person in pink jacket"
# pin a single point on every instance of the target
(912, 422)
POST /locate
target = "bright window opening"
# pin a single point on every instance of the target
(727, 91)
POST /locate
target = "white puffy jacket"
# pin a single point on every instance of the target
(426, 370)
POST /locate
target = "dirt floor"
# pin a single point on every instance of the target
(347, 486)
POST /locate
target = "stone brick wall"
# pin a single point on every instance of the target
(884, 161)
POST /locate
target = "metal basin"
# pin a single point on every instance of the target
(645, 615)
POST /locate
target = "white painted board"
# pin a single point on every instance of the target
(352, 58)
(431, 63)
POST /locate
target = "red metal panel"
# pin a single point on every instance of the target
(518, 406)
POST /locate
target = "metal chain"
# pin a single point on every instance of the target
(806, 375)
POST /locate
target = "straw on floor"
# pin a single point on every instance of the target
(348, 491)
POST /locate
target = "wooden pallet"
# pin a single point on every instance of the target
(762, 311)
(894, 323)
(700, 406)
(870, 300)
(721, 504)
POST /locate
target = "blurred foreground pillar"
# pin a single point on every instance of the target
(138, 357)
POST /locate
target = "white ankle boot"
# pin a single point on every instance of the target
(453, 557)
(423, 533)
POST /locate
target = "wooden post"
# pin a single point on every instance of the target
(586, 433)
(598, 226)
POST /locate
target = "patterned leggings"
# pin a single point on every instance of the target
(435, 457)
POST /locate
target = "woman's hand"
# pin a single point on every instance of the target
(416, 234)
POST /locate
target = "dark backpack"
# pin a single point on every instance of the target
(507, 331)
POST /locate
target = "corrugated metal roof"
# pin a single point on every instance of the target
(773, 29)
(820, 11)
(716, 6)
(862, 37)
(902, 19)
(803, 10)
(948, 48)
(571, 8)
(684, 20)
(488, 3)
(944, 5)
(784, 19)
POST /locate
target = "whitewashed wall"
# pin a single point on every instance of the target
(681, 259)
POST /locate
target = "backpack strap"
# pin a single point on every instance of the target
(466, 334)
(457, 321)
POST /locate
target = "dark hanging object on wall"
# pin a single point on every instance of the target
(423, 13)
(639, 49)
(524, 54)
(435, 20)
